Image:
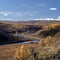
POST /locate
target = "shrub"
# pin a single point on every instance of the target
(41, 43)
(52, 26)
(25, 53)
(48, 39)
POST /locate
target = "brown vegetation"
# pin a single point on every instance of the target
(39, 52)
(48, 39)
(41, 43)
(46, 49)
(52, 26)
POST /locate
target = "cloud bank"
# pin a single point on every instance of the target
(53, 9)
(29, 16)
(58, 18)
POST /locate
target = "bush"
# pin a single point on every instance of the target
(25, 53)
(52, 26)
(43, 50)
(41, 43)
(48, 40)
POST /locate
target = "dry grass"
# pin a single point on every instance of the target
(7, 51)
(52, 26)
(37, 53)
(45, 50)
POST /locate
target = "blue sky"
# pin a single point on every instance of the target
(29, 9)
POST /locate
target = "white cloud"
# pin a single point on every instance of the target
(38, 19)
(5, 14)
(19, 14)
(53, 9)
(44, 19)
(29, 15)
(49, 18)
(58, 18)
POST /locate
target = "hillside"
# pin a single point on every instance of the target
(46, 51)
(47, 48)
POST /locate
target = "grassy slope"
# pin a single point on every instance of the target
(7, 51)
(48, 51)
